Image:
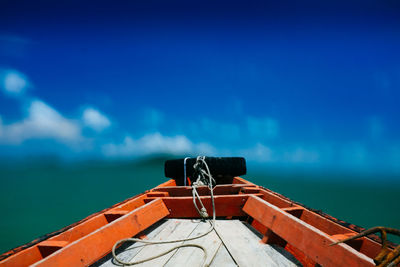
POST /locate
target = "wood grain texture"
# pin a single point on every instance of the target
(126, 253)
(233, 243)
(245, 246)
(223, 258)
(191, 256)
(92, 247)
(178, 230)
(308, 239)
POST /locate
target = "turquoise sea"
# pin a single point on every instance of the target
(41, 195)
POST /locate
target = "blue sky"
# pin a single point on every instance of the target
(294, 84)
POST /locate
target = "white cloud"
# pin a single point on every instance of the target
(263, 127)
(275, 154)
(95, 120)
(258, 153)
(43, 122)
(155, 143)
(302, 155)
(13, 82)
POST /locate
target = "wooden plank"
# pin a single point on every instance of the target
(131, 204)
(98, 243)
(280, 248)
(192, 256)
(245, 246)
(275, 199)
(179, 230)
(170, 182)
(48, 247)
(250, 190)
(182, 191)
(114, 214)
(223, 258)
(225, 205)
(157, 194)
(365, 245)
(127, 252)
(308, 239)
(239, 180)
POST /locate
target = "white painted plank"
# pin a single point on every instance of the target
(245, 246)
(223, 258)
(192, 256)
(269, 248)
(181, 229)
(130, 251)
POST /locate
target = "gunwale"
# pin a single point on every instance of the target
(230, 198)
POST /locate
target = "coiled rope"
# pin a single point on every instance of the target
(202, 171)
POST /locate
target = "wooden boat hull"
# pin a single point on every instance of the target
(303, 232)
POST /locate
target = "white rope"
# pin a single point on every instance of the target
(184, 171)
(201, 180)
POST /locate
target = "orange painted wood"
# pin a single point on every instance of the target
(342, 236)
(294, 208)
(98, 221)
(250, 190)
(157, 194)
(178, 191)
(366, 246)
(275, 199)
(323, 224)
(82, 229)
(356, 243)
(239, 180)
(259, 227)
(308, 239)
(230, 203)
(31, 255)
(23, 258)
(186, 191)
(117, 212)
(300, 256)
(48, 247)
(114, 214)
(182, 207)
(272, 238)
(132, 204)
(59, 244)
(170, 182)
(92, 247)
(296, 211)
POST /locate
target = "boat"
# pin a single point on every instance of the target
(206, 214)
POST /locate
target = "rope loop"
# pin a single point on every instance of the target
(203, 172)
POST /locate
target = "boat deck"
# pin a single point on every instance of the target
(233, 243)
(281, 223)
